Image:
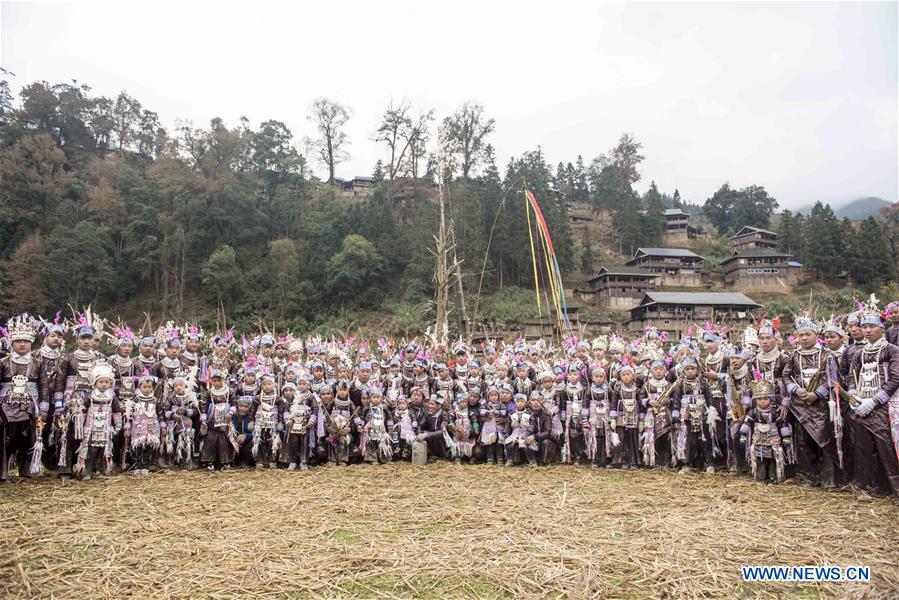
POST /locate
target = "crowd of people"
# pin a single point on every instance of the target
(820, 404)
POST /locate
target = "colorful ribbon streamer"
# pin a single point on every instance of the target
(550, 264)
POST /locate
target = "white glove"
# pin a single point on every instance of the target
(865, 406)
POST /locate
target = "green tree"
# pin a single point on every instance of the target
(222, 276)
(354, 273)
(872, 265)
(824, 242)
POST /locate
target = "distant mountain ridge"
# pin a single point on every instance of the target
(856, 210)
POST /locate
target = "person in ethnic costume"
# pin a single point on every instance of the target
(50, 357)
(716, 364)
(625, 418)
(144, 423)
(434, 430)
(375, 423)
(24, 389)
(298, 419)
(599, 438)
(182, 410)
(520, 438)
(655, 394)
(571, 410)
(100, 424)
(216, 427)
(765, 435)
(71, 408)
(807, 395)
(692, 414)
(462, 429)
(268, 425)
(542, 431)
(341, 449)
(770, 359)
(493, 415)
(874, 383)
(243, 428)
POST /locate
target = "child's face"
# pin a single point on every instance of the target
(691, 372)
(763, 402)
(104, 383)
(598, 376)
(250, 378)
(268, 385)
(394, 369)
(462, 404)
(242, 409)
(433, 406)
(342, 393)
(216, 382)
(146, 388)
(401, 404)
(318, 372)
(178, 386)
(327, 396)
(547, 383)
(288, 394)
(366, 400)
(303, 385)
(443, 373)
(520, 403)
(522, 373)
(573, 376)
(627, 376)
(658, 372)
(505, 395)
(375, 400)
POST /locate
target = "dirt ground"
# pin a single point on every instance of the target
(398, 531)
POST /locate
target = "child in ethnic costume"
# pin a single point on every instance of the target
(216, 427)
(766, 435)
(299, 418)
(377, 422)
(340, 440)
(571, 403)
(243, 432)
(599, 434)
(405, 428)
(689, 405)
(144, 427)
(654, 398)
(462, 428)
(102, 421)
(493, 432)
(521, 437)
(180, 413)
(267, 429)
(626, 418)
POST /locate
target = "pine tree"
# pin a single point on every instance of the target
(872, 264)
(378, 174)
(653, 217)
(676, 201)
(824, 243)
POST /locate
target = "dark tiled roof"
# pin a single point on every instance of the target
(698, 298)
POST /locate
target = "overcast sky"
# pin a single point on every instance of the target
(800, 98)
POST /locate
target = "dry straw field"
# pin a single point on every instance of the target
(397, 531)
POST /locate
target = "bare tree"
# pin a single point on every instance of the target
(405, 138)
(329, 118)
(463, 135)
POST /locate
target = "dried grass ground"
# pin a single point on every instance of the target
(440, 531)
